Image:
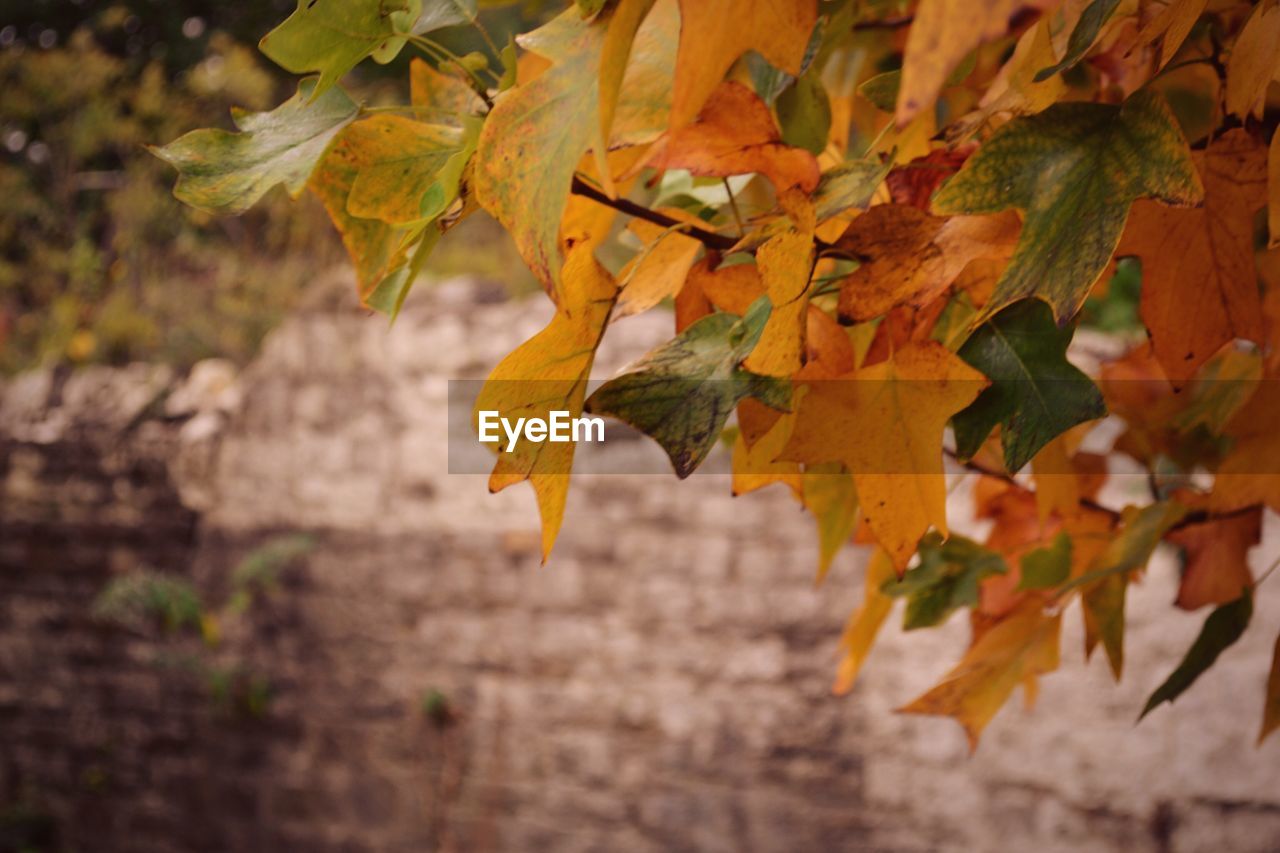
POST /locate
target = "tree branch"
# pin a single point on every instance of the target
(710, 239)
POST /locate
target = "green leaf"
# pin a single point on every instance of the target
(1082, 37)
(1221, 629)
(849, 185)
(947, 578)
(830, 495)
(681, 393)
(590, 8)
(804, 113)
(1035, 393)
(1047, 567)
(882, 90)
(1106, 581)
(535, 136)
(332, 36)
(224, 172)
(438, 14)
(1074, 169)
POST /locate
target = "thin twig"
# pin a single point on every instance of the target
(719, 242)
(733, 204)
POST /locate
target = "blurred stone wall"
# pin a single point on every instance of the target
(663, 684)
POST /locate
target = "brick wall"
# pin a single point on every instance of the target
(662, 684)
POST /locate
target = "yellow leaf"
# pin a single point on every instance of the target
(660, 270)
(943, 33)
(864, 624)
(785, 262)
(885, 424)
(399, 162)
(440, 92)
(618, 40)
(1170, 28)
(830, 495)
(753, 465)
(1022, 645)
(714, 33)
(547, 373)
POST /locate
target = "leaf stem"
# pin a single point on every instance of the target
(733, 205)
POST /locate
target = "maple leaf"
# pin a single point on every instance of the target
(735, 135)
(1221, 630)
(222, 172)
(946, 579)
(864, 623)
(714, 33)
(912, 257)
(943, 33)
(548, 373)
(785, 262)
(885, 424)
(681, 393)
(1074, 169)
(1021, 645)
(1199, 285)
(1035, 394)
(1217, 569)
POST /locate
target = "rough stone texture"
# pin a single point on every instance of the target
(662, 684)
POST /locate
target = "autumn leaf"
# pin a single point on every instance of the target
(754, 462)
(443, 96)
(660, 270)
(885, 424)
(1271, 707)
(863, 626)
(1250, 472)
(535, 135)
(681, 393)
(785, 262)
(735, 135)
(1217, 568)
(399, 176)
(223, 172)
(1036, 394)
(1170, 28)
(1254, 61)
(1224, 626)
(911, 257)
(1045, 568)
(1082, 37)
(828, 492)
(943, 33)
(1104, 585)
(851, 185)
(946, 579)
(1021, 645)
(548, 373)
(1100, 158)
(1199, 285)
(715, 33)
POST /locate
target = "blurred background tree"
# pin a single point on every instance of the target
(98, 262)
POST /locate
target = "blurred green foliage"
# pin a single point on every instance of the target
(98, 262)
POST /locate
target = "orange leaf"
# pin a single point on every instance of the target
(1024, 644)
(735, 135)
(864, 624)
(886, 425)
(714, 33)
(1217, 570)
(912, 256)
(1199, 285)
